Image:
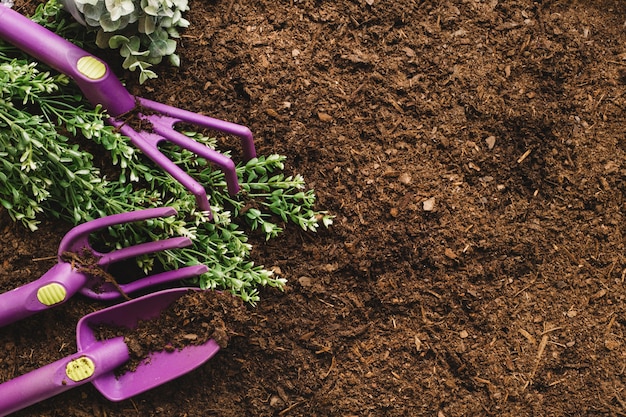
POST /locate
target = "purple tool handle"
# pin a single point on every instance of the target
(23, 301)
(53, 378)
(63, 56)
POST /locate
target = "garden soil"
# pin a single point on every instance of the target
(474, 155)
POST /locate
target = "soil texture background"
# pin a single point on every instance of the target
(474, 155)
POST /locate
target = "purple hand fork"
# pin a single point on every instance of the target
(97, 360)
(101, 86)
(64, 279)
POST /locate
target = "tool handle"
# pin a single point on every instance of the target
(93, 76)
(57, 377)
(53, 288)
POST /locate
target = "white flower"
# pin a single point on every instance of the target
(7, 3)
(119, 8)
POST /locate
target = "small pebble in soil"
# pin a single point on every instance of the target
(429, 205)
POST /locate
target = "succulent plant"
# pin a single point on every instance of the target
(144, 31)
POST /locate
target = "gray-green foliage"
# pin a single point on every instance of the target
(144, 31)
(44, 171)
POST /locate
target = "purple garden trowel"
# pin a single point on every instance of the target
(101, 86)
(96, 361)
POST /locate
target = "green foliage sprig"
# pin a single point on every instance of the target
(44, 171)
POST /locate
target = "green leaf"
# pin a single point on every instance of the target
(108, 24)
(174, 60)
(161, 47)
(146, 24)
(6, 204)
(146, 75)
(117, 41)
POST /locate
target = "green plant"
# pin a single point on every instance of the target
(46, 171)
(144, 31)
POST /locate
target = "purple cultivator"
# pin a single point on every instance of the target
(69, 276)
(101, 86)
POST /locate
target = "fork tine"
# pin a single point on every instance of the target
(144, 283)
(162, 126)
(242, 132)
(78, 237)
(147, 143)
(163, 129)
(141, 249)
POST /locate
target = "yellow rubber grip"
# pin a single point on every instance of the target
(51, 294)
(91, 67)
(79, 369)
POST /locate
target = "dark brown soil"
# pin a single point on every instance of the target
(473, 152)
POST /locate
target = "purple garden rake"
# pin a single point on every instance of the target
(101, 86)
